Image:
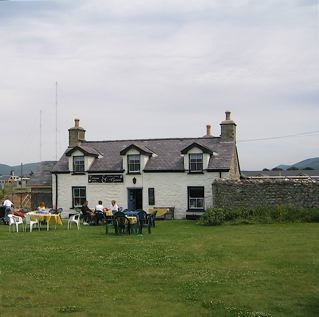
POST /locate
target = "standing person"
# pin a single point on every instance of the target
(7, 204)
(99, 209)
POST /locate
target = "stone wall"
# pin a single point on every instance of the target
(264, 192)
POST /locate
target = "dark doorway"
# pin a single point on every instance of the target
(134, 198)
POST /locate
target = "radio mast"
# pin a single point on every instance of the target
(40, 135)
(56, 120)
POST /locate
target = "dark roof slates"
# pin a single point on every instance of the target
(166, 154)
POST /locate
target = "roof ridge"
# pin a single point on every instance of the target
(156, 139)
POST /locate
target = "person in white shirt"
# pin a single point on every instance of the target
(99, 215)
(114, 206)
(7, 205)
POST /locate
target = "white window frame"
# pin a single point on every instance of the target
(77, 198)
(134, 165)
(196, 162)
(196, 202)
(78, 164)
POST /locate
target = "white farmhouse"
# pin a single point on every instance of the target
(141, 174)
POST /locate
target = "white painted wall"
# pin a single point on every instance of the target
(170, 189)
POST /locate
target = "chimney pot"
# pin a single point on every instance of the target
(228, 129)
(76, 134)
(208, 130)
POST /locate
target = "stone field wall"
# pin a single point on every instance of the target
(256, 192)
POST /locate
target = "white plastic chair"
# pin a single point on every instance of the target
(15, 221)
(74, 219)
(31, 223)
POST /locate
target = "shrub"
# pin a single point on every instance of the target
(261, 214)
(212, 217)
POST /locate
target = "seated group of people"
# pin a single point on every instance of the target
(7, 208)
(93, 217)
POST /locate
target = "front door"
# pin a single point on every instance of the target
(135, 198)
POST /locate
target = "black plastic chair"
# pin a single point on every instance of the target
(153, 218)
(121, 223)
(109, 222)
(144, 220)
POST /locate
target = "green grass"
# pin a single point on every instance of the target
(181, 269)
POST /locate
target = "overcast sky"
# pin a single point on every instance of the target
(131, 69)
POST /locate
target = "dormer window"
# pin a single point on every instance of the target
(133, 163)
(78, 164)
(196, 162)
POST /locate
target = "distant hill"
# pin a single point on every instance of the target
(283, 166)
(26, 169)
(311, 162)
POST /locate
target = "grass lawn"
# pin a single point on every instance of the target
(181, 269)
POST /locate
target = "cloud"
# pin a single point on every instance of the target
(149, 64)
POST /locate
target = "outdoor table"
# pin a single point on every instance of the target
(159, 211)
(132, 216)
(108, 213)
(46, 216)
(131, 213)
(132, 219)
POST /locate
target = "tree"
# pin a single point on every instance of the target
(292, 168)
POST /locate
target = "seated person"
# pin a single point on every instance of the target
(99, 212)
(19, 213)
(88, 215)
(41, 206)
(114, 207)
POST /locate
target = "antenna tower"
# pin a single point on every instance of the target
(56, 120)
(40, 135)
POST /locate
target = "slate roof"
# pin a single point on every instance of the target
(5, 177)
(87, 150)
(42, 176)
(283, 173)
(167, 154)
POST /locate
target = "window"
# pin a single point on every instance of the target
(151, 196)
(78, 196)
(196, 162)
(78, 164)
(133, 163)
(196, 198)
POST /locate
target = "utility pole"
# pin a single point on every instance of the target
(40, 135)
(56, 120)
(21, 186)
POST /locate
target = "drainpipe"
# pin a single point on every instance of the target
(56, 191)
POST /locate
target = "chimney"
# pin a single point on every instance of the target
(76, 134)
(228, 129)
(208, 130)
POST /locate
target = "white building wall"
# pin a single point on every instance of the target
(170, 189)
(94, 191)
(105, 192)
